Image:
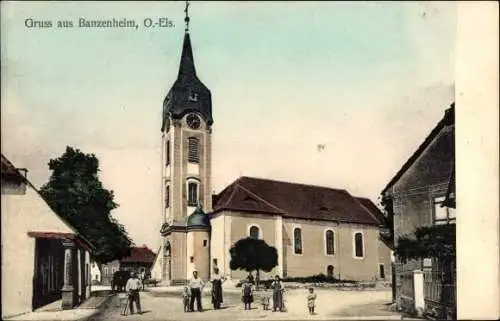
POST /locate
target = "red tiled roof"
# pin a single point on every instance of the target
(372, 208)
(266, 196)
(140, 255)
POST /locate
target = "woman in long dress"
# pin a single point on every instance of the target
(217, 280)
(278, 288)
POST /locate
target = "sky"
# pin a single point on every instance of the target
(369, 80)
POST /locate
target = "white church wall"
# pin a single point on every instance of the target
(240, 223)
(156, 269)
(190, 253)
(217, 242)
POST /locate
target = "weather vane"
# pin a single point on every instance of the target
(186, 19)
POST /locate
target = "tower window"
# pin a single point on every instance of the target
(192, 194)
(191, 259)
(329, 240)
(193, 150)
(205, 242)
(215, 262)
(358, 245)
(167, 153)
(297, 240)
(193, 96)
(167, 196)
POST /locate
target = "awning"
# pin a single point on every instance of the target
(61, 236)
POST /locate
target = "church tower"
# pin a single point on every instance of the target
(186, 172)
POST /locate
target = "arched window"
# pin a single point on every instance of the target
(192, 194)
(167, 196)
(193, 150)
(358, 245)
(329, 240)
(297, 240)
(254, 232)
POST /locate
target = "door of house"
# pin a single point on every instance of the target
(48, 272)
(329, 271)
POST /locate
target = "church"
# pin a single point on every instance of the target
(314, 229)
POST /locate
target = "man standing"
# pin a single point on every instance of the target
(132, 288)
(196, 286)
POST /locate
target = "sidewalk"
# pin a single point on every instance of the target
(54, 312)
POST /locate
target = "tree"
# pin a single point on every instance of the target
(75, 192)
(387, 237)
(251, 254)
(437, 241)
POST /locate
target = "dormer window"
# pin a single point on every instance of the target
(193, 96)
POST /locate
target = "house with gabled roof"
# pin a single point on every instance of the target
(140, 260)
(44, 258)
(421, 195)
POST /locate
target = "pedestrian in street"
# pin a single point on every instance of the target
(250, 277)
(217, 280)
(311, 300)
(196, 287)
(247, 294)
(186, 295)
(278, 289)
(265, 299)
(132, 288)
(142, 278)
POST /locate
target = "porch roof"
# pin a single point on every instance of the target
(62, 236)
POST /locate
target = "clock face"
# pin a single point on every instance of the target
(193, 121)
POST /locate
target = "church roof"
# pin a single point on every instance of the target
(373, 209)
(257, 195)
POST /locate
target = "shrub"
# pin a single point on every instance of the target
(318, 278)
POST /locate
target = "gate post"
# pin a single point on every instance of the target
(418, 292)
(67, 290)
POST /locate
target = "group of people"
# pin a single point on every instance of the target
(193, 292)
(277, 288)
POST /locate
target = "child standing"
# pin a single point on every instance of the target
(311, 299)
(186, 296)
(247, 294)
(265, 299)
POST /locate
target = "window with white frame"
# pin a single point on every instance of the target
(329, 242)
(358, 245)
(167, 153)
(254, 232)
(192, 194)
(167, 196)
(443, 214)
(193, 150)
(297, 240)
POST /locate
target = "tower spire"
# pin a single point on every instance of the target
(186, 19)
